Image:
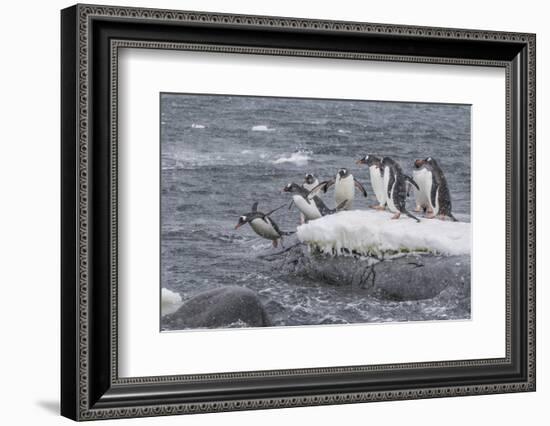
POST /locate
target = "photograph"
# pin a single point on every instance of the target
(307, 212)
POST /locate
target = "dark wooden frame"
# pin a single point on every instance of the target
(90, 386)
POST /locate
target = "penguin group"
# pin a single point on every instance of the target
(391, 188)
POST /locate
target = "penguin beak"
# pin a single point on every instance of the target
(360, 161)
(238, 225)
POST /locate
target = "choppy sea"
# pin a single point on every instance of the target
(220, 154)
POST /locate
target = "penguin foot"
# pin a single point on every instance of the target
(396, 216)
(418, 209)
(378, 207)
(430, 216)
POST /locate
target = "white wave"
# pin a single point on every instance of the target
(344, 131)
(246, 151)
(262, 128)
(372, 232)
(299, 158)
(197, 126)
(170, 301)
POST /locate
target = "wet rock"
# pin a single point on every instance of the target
(230, 306)
(406, 277)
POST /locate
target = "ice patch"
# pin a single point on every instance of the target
(262, 128)
(299, 158)
(170, 301)
(197, 126)
(372, 232)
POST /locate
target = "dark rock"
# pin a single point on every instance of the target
(408, 277)
(222, 307)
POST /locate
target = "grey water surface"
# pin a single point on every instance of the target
(219, 154)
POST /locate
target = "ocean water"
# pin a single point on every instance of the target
(220, 154)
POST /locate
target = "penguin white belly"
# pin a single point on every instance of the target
(389, 199)
(423, 179)
(307, 207)
(344, 190)
(377, 182)
(264, 229)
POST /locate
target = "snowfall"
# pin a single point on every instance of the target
(375, 233)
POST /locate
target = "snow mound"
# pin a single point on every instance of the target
(375, 233)
(170, 301)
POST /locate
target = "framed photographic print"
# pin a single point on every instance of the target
(263, 212)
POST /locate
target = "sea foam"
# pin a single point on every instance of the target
(262, 128)
(374, 232)
(299, 158)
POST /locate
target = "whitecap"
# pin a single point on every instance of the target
(299, 158)
(344, 131)
(170, 301)
(197, 126)
(262, 128)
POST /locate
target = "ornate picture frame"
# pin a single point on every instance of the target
(91, 37)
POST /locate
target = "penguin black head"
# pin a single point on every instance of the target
(291, 187)
(429, 161)
(369, 160)
(242, 220)
(309, 179)
(343, 172)
(386, 161)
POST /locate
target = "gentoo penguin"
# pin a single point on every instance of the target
(422, 178)
(344, 188)
(433, 185)
(376, 179)
(263, 225)
(310, 182)
(311, 206)
(395, 182)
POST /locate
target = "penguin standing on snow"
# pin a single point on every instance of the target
(263, 225)
(395, 182)
(311, 206)
(376, 179)
(433, 184)
(420, 176)
(344, 188)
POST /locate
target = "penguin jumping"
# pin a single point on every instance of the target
(311, 206)
(395, 182)
(376, 179)
(344, 188)
(434, 188)
(263, 225)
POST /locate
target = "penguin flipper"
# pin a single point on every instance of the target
(291, 203)
(274, 210)
(391, 181)
(323, 186)
(255, 207)
(411, 180)
(361, 188)
(433, 194)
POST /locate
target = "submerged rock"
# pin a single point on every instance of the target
(223, 307)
